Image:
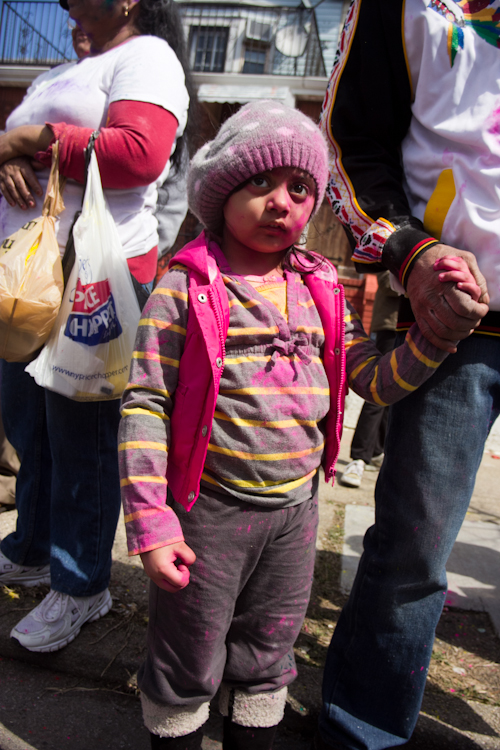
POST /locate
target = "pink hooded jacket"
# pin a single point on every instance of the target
(203, 360)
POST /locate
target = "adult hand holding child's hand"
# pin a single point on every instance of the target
(168, 566)
(444, 312)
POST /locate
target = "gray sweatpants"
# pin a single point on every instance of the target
(236, 622)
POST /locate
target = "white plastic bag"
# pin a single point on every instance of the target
(87, 356)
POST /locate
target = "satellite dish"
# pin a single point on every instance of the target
(291, 40)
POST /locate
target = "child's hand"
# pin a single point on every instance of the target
(456, 270)
(160, 566)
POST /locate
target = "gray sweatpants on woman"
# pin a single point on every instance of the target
(235, 623)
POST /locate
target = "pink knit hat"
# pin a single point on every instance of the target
(260, 136)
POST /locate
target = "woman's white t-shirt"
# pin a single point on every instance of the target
(144, 69)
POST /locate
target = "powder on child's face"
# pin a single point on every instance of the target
(269, 213)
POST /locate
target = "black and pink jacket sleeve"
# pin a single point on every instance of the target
(366, 115)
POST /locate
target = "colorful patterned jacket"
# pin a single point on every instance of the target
(412, 121)
(203, 359)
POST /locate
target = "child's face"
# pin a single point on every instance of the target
(269, 213)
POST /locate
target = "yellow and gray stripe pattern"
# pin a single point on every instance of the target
(267, 439)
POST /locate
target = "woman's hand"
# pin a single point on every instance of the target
(163, 567)
(18, 181)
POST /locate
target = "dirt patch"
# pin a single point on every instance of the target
(466, 657)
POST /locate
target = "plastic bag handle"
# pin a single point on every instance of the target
(68, 259)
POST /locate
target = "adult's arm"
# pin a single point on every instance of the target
(132, 150)
(366, 115)
(128, 149)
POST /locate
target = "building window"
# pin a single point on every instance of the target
(207, 49)
(255, 60)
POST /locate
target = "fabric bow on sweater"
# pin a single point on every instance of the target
(289, 348)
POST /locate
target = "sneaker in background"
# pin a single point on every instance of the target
(353, 473)
(58, 619)
(376, 463)
(22, 575)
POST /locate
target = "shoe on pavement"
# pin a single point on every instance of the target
(353, 473)
(376, 463)
(22, 575)
(58, 619)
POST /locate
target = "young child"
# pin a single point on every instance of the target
(235, 399)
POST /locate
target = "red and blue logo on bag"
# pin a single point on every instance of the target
(93, 319)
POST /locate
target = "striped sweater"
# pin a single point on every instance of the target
(267, 440)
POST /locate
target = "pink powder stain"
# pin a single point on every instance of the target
(249, 528)
(447, 158)
(494, 123)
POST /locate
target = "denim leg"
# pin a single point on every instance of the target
(23, 412)
(379, 655)
(85, 499)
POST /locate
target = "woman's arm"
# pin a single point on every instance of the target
(132, 149)
(24, 141)
(128, 149)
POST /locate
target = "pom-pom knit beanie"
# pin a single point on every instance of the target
(262, 135)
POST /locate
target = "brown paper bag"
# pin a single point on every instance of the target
(31, 277)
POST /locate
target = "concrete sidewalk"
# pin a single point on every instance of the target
(473, 567)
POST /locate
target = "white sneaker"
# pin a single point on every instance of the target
(353, 473)
(22, 575)
(58, 619)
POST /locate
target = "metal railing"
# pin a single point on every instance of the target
(221, 38)
(34, 33)
(224, 38)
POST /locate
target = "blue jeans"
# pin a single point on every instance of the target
(68, 488)
(379, 655)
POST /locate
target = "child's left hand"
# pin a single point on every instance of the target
(456, 270)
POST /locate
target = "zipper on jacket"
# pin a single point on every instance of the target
(340, 317)
(218, 320)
